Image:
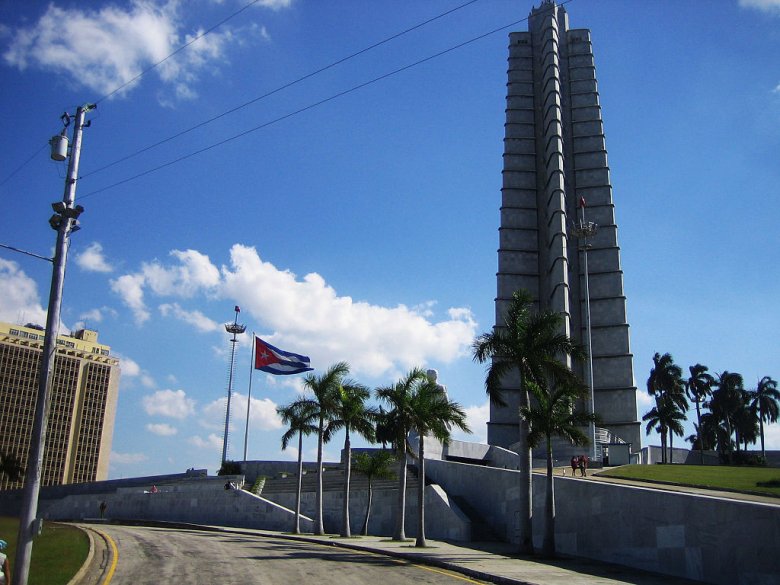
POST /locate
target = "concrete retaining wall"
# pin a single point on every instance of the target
(217, 506)
(444, 520)
(709, 539)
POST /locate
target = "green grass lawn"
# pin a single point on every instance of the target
(756, 480)
(58, 552)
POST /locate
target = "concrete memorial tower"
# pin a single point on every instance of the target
(554, 157)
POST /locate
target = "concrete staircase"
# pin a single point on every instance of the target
(333, 480)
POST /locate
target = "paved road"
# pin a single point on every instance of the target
(155, 555)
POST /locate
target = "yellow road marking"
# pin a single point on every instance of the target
(115, 556)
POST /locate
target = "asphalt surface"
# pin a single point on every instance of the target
(162, 555)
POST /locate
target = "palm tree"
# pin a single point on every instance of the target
(698, 387)
(531, 344)
(725, 403)
(396, 424)
(665, 417)
(374, 466)
(765, 399)
(714, 432)
(325, 389)
(351, 413)
(553, 414)
(746, 421)
(300, 416)
(666, 380)
(431, 412)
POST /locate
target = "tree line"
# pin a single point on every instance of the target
(729, 417)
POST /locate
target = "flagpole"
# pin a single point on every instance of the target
(249, 394)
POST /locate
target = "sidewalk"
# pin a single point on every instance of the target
(490, 561)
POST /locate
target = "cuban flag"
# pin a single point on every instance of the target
(273, 360)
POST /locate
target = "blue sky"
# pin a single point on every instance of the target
(365, 228)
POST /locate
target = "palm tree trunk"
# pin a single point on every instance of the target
(761, 430)
(548, 547)
(526, 485)
(698, 432)
(421, 495)
(319, 528)
(400, 520)
(671, 446)
(299, 488)
(364, 531)
(663, 444)
(345, 530)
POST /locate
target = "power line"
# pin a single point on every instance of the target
(278, 89)
(24, 164)
(134, 79)
(184, 46)
(310, 106)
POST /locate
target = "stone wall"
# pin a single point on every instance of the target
(221, 507)
(444, 520)
(710, 539)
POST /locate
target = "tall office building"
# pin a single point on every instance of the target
(555, 154)
(83, 403)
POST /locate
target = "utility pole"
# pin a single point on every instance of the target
(64, 221)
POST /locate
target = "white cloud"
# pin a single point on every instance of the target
(170, 403)
(127, 458)
(19, 301)
(771, 437)
(295, 383)
(307, 314)
(770, 6)
(93, 260)
(275, 4)
(129, 367)
(213, 442)
(161, 429)
(194, 274)
(317, 322)
(131, 370)
(644, 402)
(95, 315)
(476, 417)
(130, 288)
(262, 414)
(112, 45)
(194, 318)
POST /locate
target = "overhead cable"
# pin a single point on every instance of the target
(278, 89)
(310, 106)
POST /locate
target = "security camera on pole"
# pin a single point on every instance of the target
(64, 221)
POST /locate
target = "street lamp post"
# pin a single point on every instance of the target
(235, 328)
(584, 230)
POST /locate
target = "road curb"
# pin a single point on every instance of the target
(90, 555)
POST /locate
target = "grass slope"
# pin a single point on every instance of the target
(754, 480)
(58, 552)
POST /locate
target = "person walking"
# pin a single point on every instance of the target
(584, 460)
